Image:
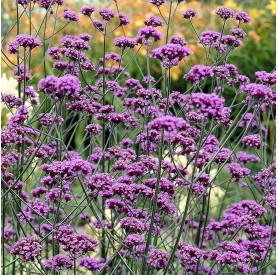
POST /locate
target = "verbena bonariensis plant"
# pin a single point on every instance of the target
(137, 195)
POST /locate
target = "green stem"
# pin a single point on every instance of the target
(154, 205)
(3, 247)
(44, 46)
(103, 253)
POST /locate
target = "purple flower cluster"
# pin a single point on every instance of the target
(225, 13)
(209, 105)
(133, 240)
(265, 77)
(198, 73)
(124, 42)
(154, 21)
(158, 259)
(168, 123)
(189, 256)
(157, 2)
(27, 248)
(22, 73)
(76, 244)
(253, 141)
(188, 14)
(106, 14)
(70, 15)
(87, 10)
(58, 262)
(237, 171)
(132, 225)
(92, 264)
(230, 253)
(67, 85)
(47, 119)
(242, 17)
(25, 41)
(171, 54)
(144, 34)
(48, 3)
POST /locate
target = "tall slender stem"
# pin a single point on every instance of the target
(103, 142)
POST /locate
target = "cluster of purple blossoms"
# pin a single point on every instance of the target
(133, 240)
(23, 40)
(225, 13)
(171, 54)
(237, 172)
(98, 25)
(265, 77)
(27, 248)
(244, 158)
(265, 178)
(54, 52)
(177, 40)
(145, 33)
(238, 215)
(189, 256)
(87, 10)
(230, 253)
(123, 19)
(238, 32)
(158, 259)
(11, 100)
(19, 117)
(47, 119)
(48, 3)
(188, 14)
(208, 38)
(67, 85)
(76, 244)
(242, 17)
(168, 123)
(106, 14)
(198, 73)
(253, 141)
(154, 21)
(22, 73)
(70, 15)
(58, 262)
(259, 93)
(132, 225)
(92, 264)
(8, 234)
(93, 129)
(157, 2)
(209, 105)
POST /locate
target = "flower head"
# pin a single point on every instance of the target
(58, 262)
(87, 10)
(106, 14)
(168, 123)
(70, 15)
(68, 85)
(148, 32)
(242, 17)
(158, 259)
(188, 14)
(157, 2)
(170, 54)
(225, 13)
(27, 248)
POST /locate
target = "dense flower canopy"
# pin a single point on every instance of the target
(161, 181)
